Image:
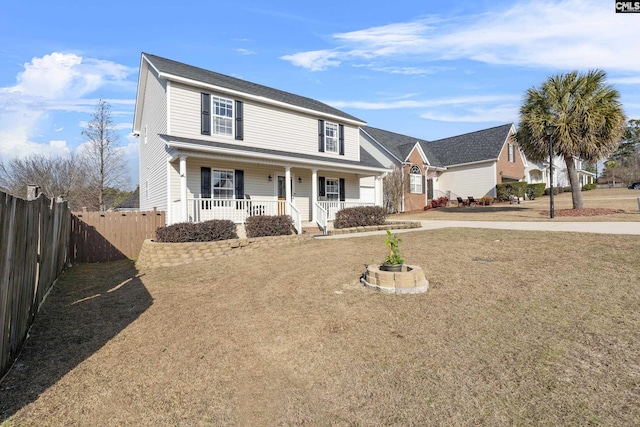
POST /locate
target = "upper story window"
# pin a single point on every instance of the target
(330, 137)
(221, 116)
(511, 153)
(415, 179)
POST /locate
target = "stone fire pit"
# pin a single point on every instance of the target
(410, 280)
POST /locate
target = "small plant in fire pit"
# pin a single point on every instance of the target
(393, 261)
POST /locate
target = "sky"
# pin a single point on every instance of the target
(421, 68)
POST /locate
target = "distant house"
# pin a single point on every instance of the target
(217, 147)
(539, 172)
(465, 165)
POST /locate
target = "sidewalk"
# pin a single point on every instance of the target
(632, 228)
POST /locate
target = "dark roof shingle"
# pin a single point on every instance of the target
(470, 147)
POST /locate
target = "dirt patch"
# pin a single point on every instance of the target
(546, 332)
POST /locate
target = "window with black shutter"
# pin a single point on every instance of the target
(321, 136)
(341, 139)
(205, 183)
(239, 120)
(239, 178)
(342, 190)
(205, 117)
(321, 191)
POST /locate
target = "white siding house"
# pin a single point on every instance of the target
(216, 147)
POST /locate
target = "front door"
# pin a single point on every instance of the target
(282, 194)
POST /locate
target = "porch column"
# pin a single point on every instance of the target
(183, 188)
(377, 189)
(287, 183)
(314, 193)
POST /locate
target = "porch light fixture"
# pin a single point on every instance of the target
(299, 180)
(549, 129)
(270, 178)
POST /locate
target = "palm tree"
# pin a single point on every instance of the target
(588, 119)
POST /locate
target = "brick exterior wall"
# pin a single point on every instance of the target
(508, 171)
(412, 201)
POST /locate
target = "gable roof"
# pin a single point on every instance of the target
(401, 145)
(169, 68)
(471, 147)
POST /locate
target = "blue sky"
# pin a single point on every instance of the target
(421, 68)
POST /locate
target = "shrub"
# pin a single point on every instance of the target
(535, 190)
(506, 189)
(556, 190)
(360, 216)
(440, 202)
(567, 189)
(265, 225)
(207, 231)
(486, 200)
(588, 187)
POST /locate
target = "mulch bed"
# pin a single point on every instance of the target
(583, 212)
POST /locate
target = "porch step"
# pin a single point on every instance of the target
(311, 231)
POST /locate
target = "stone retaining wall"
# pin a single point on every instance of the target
(155, 254)
(396, 225)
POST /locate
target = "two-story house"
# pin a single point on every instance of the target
(465, 165)
(217, 147)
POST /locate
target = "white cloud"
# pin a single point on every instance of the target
(567, 34)
(58, 82)
(476, 114)
(317, 60)
(245, 51)
(388, 105)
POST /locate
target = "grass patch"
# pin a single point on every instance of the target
(544, 331)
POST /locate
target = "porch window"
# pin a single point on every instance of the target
(223, 184)
(332, 189)
(222, 116)
(415, 180)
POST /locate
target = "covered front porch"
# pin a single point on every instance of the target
(204, 187)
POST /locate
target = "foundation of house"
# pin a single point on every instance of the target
(411, 280)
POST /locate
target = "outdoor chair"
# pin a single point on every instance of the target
(462, 202)
(472, 201)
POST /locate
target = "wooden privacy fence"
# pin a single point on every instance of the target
(109, 236)
(34, 243)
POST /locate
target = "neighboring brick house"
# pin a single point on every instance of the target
(465, 165)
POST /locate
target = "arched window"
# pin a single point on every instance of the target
(415, 180)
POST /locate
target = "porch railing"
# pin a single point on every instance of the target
(296, 217)
(321, 218)
(333, 206)
(236, 210)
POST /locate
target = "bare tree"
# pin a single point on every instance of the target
(106, 164)
(60, 176)
(393, 189)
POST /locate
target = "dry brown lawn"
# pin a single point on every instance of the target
(517, 328)
(617, 199)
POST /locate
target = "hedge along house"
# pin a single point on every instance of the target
(466, 165)
(217, 147)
